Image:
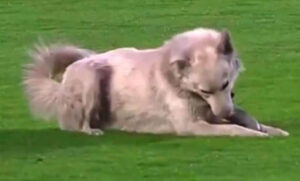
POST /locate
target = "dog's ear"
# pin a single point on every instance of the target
(225, 47)
(179, 58)
(179, 65)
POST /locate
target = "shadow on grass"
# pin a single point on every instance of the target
(26, 141)
(51, 139)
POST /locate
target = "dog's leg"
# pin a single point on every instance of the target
(203, 128)
(70, 115)
(272, 131)
(91, 131)
(89, 115)
(242, 118)
(74, 121)
(95, 111)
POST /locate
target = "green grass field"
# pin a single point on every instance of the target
(266, 34)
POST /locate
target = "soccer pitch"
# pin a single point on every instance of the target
(266, 34)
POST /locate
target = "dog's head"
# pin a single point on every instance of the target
(204, 62)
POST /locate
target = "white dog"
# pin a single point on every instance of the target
(183, 87)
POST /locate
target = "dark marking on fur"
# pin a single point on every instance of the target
(63, 57)
(101, 116)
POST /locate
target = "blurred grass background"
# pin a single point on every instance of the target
(267, 35)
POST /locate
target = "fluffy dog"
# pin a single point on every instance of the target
(183, 87)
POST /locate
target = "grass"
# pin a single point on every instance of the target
(266, 34)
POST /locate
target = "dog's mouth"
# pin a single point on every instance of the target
(198, 97)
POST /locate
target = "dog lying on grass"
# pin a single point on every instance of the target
(183, 87)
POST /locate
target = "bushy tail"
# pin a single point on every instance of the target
(44, 92)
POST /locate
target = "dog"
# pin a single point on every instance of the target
(183, 87)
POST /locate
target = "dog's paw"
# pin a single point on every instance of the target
(257, 133)
(241, 131)
(95, 132)
(272, 131)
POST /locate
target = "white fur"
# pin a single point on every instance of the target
(142, 100)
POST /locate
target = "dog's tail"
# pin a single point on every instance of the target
(45, 93)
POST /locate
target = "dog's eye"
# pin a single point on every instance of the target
(224, 86)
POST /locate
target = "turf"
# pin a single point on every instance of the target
(266, 34)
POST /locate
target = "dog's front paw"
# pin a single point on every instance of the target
(95, 132)
(272, 131)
